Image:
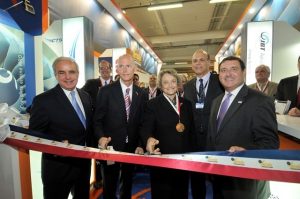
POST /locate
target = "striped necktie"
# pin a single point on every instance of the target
(127, 102)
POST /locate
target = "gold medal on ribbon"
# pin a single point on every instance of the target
(180, 127)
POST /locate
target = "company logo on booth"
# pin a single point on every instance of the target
(55, 40)
(264, 40)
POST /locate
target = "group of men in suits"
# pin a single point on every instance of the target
(118, 112)
(66, 113)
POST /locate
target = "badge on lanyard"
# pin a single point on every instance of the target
(199, 105)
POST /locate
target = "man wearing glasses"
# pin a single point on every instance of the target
(92, 87)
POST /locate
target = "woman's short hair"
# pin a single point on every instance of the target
(167, 71)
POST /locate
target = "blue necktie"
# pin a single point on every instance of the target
(77, 109)
(223, 110)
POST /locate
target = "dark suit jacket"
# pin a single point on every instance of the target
(160, 121)
(201, 117)
(110, 116)
(52, 113)
(92, 87)
(287, 90)
(250, 122)
(158, 92)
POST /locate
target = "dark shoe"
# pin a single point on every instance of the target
(98, 184)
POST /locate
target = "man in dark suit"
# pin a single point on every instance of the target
(92, 86)
(201, 99)
(152, 90)
(53, 113)
(117, 119)
(288, 89)
(240, 119)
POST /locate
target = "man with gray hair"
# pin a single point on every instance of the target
(64, 113)
(262, 74)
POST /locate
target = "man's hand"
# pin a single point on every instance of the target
(151, 143)
(295, 112)
(233, 149)
(139, 150)
(103, 142)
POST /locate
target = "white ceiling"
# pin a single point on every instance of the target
(175, 34)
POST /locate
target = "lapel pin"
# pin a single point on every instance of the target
(240, 102)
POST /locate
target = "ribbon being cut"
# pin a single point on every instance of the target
(274, 165)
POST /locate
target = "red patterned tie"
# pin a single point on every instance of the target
(298, 98)
(127, 102)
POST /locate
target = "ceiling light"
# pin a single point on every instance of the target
(221, 1)
(119, 16)
(165, 6)
(180, 63)
(252, 10)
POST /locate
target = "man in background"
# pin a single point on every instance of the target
(201, 91)
(288, 89)
(92, 86)
(262, 74)
(181, 83)
(117, 119)
(241, 119)
(136, 79)
(64, 113)
(152, 90)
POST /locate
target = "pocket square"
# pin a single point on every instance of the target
(240, 102)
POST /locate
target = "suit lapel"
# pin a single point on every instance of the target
(134, 101)
(211, 88)
(85, 104)
(118, 95)
(63, 99)
(194, 90)
(235, 105)
(214, 114)
(64, 102)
